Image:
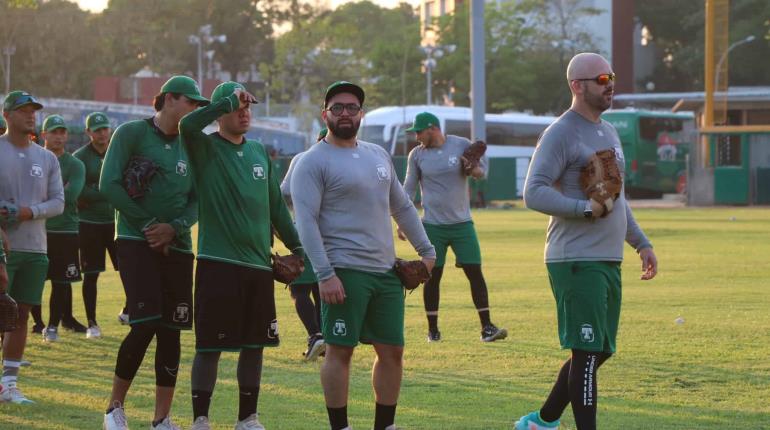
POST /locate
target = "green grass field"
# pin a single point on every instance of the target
(712, 372)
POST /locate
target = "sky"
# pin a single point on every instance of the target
(99, 5)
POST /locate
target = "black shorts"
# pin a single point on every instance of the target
(234, 307)
(158, 287)
(95, 239)
(63, 257)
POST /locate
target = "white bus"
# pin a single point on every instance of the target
(509, 135)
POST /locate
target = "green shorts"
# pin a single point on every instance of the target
(307, 276)
(461, 237)
(587, 297)
(373, 310)
(26, 276)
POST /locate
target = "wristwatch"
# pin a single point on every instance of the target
(587, 211)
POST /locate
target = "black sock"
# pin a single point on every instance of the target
(558, 400)
(37, 314)
(384, 416)
(338, 417)
(431, 297)
(432, 322)
(89, 296)
(484, 318)
(58, 301)
(305, 308)
(201, 400)
(247, 401)
(66, 302)
(478, 291)
(156, 422)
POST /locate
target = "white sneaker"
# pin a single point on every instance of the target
(93, 332)
(51, 334)
(250, 423)
(12, 394)
(115, 420)
(201, 423)
(166, 424)
(123, 318)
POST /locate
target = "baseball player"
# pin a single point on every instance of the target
(30, 192)
(344, 193)
(308, 310)
(97, 217)
(584, 242)
(437, 166)
(62, 230)
(240, 202)
(147, 178)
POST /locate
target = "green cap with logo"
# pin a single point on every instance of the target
(225, 89)
(97, 120)
(186, 86)
(17, 99)
(344, 87)
(424, 120)
(52, 122)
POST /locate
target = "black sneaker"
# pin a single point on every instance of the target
(434, 336)
(38, 328)
(315, 347)
(490, 333)
(73, 325)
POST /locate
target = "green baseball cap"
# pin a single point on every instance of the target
(97, 120)
(225, 89)
(322, 133)
(344, 87)
(52, 122)
(17, 99)
(2, 123)
(424, 120)
(186, 86)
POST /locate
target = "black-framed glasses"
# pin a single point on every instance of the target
(603, 79)
(337, 108)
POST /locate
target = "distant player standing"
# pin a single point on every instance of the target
(437, 166)
(154, 243)
(240, 203)
(345, 192)
(97, 217)
(30, 192)
(584, 242)
(62, 230)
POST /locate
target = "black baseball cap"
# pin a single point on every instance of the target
(344, 87)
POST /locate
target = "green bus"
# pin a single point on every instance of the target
(655, 145)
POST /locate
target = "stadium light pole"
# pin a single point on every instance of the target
(204, 37)
(8, 50)
(478, 71)
(433, 52)
(722, 59)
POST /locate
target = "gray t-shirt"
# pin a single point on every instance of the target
(286, 184)
(443, 186)
(30, 177)
(343, 200)
(553, 188)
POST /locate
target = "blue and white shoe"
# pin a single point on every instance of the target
(13, 395)
(532, 421)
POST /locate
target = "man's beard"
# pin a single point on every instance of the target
(598, 101)
(347, 132)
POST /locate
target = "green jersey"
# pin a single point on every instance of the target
(169, 198)
(240, 199)
(94, 206)
(73, 176)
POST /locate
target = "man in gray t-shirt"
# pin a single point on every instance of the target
(345, 192)
(584, 242)
(438, 167)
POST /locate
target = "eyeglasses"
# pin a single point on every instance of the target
(603, 79)
(337, 108)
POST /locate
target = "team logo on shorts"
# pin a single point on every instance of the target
(453, 161)
(382, 173)
(182, 313)
(36, 171)
(258, 171)
(181, 168)
(272, 331)
(586, 333)
(339, 328)
(72, 271)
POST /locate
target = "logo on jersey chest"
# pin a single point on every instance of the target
(383, 173)
(453, 161)
(257, 171)
(181, 168)
(36, 171)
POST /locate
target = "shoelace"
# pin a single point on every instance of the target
(16, 393)
(119, 416)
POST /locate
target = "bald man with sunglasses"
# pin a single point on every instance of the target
(584, 242)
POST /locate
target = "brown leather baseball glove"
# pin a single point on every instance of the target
(601, 179)
(411, 273)
(138, 174)
(472, 156)
(287, 268)
(9, 313)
